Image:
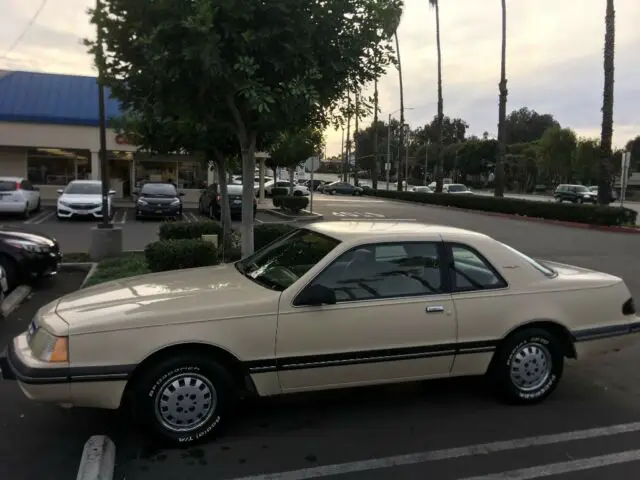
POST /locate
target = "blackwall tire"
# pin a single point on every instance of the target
(184, 399)
(528, 366)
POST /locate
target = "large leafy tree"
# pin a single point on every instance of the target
(292, 148)
(250, 66)
(606, 133)
(525, 125)
(633, 146)
(557, 150)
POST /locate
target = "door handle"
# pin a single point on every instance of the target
(435, 309)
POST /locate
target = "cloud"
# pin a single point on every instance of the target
(554, 58)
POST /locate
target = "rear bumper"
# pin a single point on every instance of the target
(601, 340)
(13, 207)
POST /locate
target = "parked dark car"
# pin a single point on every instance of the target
(209, 202)
(26, 256)
(574, 194)
(159, 200)
(343, 188)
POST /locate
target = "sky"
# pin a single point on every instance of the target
(554, 59)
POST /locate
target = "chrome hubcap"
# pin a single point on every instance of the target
(185, 402)
(530, 367)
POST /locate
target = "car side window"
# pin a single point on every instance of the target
(394, 270)
(470, 271)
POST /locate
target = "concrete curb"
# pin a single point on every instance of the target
(92, 270)
(561, 223)
(14, 299)
(307, 218)
(98, 459)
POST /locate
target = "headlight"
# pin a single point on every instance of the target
(64, 204)
(141, 201)
(27, 245)
(175, 202)
(49, 348)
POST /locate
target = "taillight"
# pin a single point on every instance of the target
(628, 308)
(17, 185)
(217, 198)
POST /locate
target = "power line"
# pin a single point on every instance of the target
(24, 31)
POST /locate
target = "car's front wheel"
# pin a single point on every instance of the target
(528, 366)
(184, 398)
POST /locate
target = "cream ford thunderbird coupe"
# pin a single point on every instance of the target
(331, 305)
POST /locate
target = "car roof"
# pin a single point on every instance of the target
(12, 179)
(86, 182)
(386, 230)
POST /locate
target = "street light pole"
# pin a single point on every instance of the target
(104, 166)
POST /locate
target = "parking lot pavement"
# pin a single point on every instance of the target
(74, 235)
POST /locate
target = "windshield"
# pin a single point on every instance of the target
(84, 189)
(164, 189)
(581, 188)
(457, 188)
(281, 263)
(537, 265)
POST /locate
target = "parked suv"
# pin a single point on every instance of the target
(575, 194)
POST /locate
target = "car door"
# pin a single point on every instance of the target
(393, 320)
(482, 308)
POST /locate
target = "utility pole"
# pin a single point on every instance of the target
(406, 158)
(387, 163)
(426, 162)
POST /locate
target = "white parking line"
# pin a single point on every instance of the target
(453, 453)
(192, 217)
(563, 467)
(124, 217)
(39, 218)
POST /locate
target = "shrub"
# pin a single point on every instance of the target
(175, 254)
(591, 214)
(291, 203)
(265, 233)
(184, 230)
(279, 191)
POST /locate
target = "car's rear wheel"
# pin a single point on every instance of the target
(527, 366)
(297, 193)
(184, 398)
(332, 192)
(38, 205)
(213, 214)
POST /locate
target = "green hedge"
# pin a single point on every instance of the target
(183, 230)
(591, 214)
(291, 203)
(175, 254)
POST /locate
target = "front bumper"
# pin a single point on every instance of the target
(158, 211)
(41, 264)
(64, 211)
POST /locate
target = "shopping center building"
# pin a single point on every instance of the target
(49, 134)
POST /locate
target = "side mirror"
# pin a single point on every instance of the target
(181, 194)
(112, 192)
(60, 191)
(316, 295)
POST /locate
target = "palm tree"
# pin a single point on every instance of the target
(399, 169)
(376, 166)
(606, 133)
(502, 108)
(440, 164)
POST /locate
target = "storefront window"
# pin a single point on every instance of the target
(52, 166)
(155, 171)
(191, 175)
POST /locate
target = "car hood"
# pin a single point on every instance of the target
(37, 238)
(79, 198)
(179, 296)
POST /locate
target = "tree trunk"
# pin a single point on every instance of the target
(604, 183)
(376, 164)
(439, 157)
(502, 109)
(355, 141)
(248, 149)
(399, 169)
(291, 171)
(347, 162)
(225, 212)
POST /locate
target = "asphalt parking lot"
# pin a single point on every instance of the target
(74, 235)
(589, 429)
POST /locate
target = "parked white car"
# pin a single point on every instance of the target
(445, 181)
(297, 189)
(81, 198)
(422, 189)
(18, 196)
